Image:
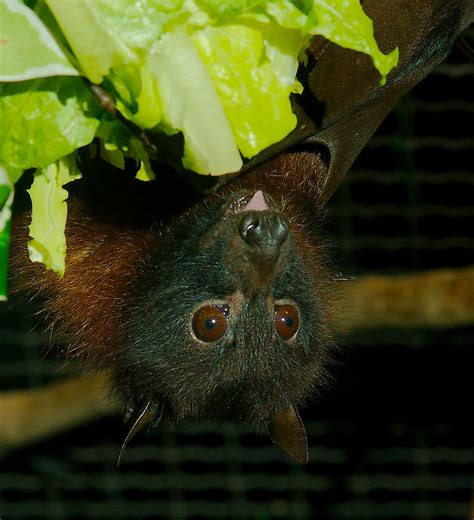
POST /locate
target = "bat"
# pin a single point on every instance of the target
(217, 304)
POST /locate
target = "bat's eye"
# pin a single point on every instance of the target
(210, 322)
(287, 321)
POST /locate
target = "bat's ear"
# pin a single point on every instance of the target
(288, 433)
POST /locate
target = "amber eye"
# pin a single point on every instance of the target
(287, 321)
(210, 322)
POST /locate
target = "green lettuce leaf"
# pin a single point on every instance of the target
(27, 49)
(252, 56)
(112, 135)
(143, 23)
(137, 96)
(92, 41)
(344, 22)
(110, 45)
(190, 104)
(254, 99)
(4, 245)
(7, 180)
(49, 212)
(6, 201)
(250, 52)
(43, 120)
(138, 152)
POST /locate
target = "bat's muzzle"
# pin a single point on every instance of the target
(265, 230)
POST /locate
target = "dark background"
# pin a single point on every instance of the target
(392, 439)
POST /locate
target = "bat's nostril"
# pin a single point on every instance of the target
(265, 230)
(278, 227)
(249, 224)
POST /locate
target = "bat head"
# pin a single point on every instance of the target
(223, 322)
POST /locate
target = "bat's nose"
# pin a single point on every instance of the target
(266, 230)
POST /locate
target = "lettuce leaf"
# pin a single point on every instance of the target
(43, 120)
(4, 247)
(138, 152)
(255, 101)
(92, 41)
(49, 212)
(6, 201)
(250, 52)
(242, 75)
(143, 75)
(22, 31)
(345, 23)
(190, 104)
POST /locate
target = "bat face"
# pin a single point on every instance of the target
(223, 321)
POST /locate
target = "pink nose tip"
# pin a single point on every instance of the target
(257, 202)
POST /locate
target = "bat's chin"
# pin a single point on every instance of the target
(255, 414)
(239, 405)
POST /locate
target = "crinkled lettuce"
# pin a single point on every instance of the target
(176, 67)
(255, 99)
(27, 48)
(43, 120)
(49, 212)
(6, 200)
(219, 72)
(345, 23)
(249, 49)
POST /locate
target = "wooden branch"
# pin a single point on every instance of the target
(442, 298)
(28, 416)
(439, 298)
